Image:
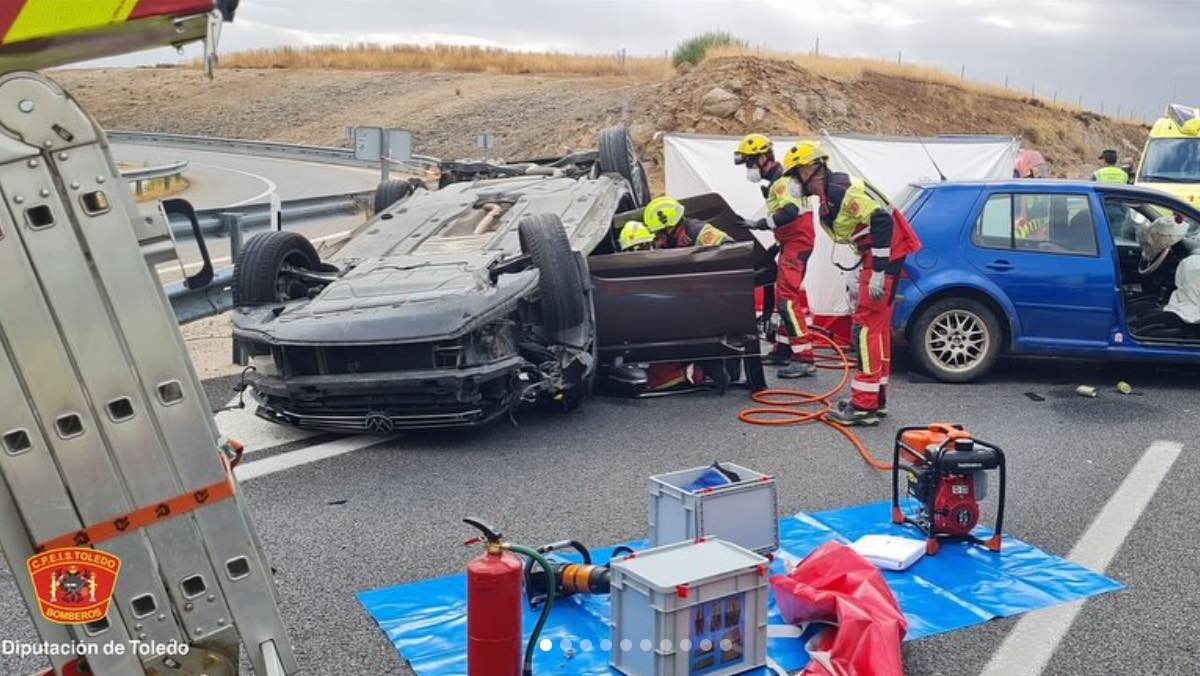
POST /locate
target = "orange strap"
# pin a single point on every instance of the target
(145, 516)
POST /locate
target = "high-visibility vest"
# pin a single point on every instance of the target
(778, 196)
(1110, 175)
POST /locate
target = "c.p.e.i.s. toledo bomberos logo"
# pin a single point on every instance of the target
(74, 585)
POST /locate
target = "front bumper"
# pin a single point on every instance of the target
(382, 403)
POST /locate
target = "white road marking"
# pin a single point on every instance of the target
(271, 187)
(1034, 639)
(278, 463)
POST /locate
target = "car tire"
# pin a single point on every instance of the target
(256, 274)
(560, 286)
(956, 340)
(389, 192)
(618, 155)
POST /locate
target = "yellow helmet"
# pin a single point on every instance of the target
(803, 154)
(662, 213)
(751, 145)
(635, 236)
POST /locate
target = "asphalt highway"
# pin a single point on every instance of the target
(225, 180)
(221, 180)
(338, 516)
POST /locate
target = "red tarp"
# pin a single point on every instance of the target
(835, 585)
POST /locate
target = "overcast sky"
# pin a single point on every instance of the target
(1135, 54)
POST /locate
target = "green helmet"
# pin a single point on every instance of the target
(635, 236)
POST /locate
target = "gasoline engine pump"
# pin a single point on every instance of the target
(947, 475)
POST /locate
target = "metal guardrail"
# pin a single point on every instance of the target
(234, 222)
(289, 151)
(193, 304)
(165, 172)
(258, 215)
(162, 171)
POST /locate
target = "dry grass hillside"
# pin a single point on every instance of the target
(538, 105)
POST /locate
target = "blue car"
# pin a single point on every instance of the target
(1049, 268)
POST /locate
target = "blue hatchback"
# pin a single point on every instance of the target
(1040, 268)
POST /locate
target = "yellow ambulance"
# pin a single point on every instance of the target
(1171, 159)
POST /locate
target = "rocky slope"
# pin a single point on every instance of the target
(537, 115)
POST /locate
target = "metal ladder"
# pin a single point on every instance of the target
(102, 414)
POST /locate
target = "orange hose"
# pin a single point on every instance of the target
(788, 407)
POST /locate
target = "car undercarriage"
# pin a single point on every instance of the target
(453, 307)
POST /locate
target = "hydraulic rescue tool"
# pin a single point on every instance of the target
(494, 619)
(947, 474)
(568, 578)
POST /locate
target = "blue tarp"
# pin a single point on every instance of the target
(961, 586)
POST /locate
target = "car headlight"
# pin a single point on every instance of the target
(491, 342)
(264, 365)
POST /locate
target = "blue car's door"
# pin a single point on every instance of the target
(1041, 249)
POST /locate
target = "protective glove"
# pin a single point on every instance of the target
(760, 224)
(766, 189)
(875, 285)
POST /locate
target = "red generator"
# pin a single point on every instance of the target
(946, 472)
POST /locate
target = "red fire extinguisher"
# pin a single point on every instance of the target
(494, 612)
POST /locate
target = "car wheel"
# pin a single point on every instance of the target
(261, 272)
(956, 340)
(619, 155)
(389, 192)
(560, 286)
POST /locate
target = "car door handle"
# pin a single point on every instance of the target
(999, 266)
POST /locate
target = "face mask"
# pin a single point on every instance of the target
(753, 174)
(795, 189)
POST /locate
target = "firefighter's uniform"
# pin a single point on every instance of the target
(791, 221)
(795, 232)
(853, 213)
(689, 232)
(664, 218)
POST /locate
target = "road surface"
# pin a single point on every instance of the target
(342, 515)
(219, 180)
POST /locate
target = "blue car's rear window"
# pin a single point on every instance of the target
(907, 197)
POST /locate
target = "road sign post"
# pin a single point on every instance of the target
(382, 145)
(487, 141)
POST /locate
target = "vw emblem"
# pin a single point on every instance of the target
(379, 423)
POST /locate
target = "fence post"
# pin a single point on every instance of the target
(231, 223)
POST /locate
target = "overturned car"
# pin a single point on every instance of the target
(502, 288)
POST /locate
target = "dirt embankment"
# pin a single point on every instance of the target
(539, 115)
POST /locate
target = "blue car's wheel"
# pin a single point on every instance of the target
(956, 340)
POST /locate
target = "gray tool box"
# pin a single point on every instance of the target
(107, 440)
(745, 512)
(689, 608)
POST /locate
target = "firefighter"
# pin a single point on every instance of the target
(635, 236)
(1109, 172)
(665, 219)
(853, 213)
(792, 224)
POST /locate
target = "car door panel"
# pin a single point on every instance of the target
(1061, 299)
(689, 303)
